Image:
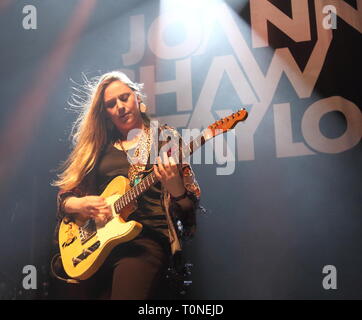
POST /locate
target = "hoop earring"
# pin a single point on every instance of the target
(143, 107)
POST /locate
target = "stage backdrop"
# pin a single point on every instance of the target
(284, 219)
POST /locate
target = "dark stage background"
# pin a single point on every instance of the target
(292, 204)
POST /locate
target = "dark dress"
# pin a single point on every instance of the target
(136, 269)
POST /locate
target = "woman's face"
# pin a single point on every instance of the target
(121, 106)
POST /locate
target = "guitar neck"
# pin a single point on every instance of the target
(216, 128)
(151, 179)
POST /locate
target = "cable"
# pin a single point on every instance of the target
(72, 281)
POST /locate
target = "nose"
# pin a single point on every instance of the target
(120, 104)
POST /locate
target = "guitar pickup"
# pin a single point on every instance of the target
(86, 253)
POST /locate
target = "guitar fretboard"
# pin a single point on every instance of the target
(216, 128)
(137, 190)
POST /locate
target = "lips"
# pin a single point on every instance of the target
(125, 115)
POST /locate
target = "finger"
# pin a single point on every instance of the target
(107, 212)
(166, 162)
(97, 200)
(103, 205)
(93, 213)
(161, 168)
(157, 173)
(101, 219)
(102, 201)
(165, 158)
(173, 164)
(102, 209)
(99, 203)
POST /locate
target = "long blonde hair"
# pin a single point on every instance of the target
(91, 131)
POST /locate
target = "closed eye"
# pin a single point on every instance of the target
(112, 102)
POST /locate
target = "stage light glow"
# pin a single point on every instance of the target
(182, 27)
(187, 4)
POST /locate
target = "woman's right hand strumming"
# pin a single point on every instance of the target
(88, 207)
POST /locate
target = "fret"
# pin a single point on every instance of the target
(147, 183)
(191, 147)
(199, 141)
(152, 177)
(202, 140)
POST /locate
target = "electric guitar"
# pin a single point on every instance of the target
(85, 245)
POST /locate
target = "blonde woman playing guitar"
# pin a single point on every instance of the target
(120, 242)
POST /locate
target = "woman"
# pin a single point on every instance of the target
(112, 128)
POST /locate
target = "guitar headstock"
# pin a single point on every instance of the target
(227, 123)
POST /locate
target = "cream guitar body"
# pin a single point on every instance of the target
(85, 246)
